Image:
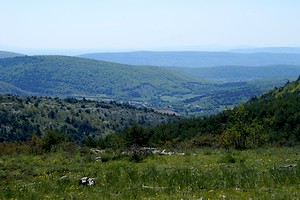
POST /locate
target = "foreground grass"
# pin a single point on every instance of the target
(272, 173)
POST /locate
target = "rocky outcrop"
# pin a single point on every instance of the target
(87, 181)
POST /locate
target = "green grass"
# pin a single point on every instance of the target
(204, 173)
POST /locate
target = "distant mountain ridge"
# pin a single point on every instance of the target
(240, 73)
(194, 59)
(6, 54)
(286, 50)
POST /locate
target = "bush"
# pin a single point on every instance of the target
(230, 158)
(70, 147)
(52, 138)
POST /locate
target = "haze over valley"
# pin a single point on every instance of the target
(131, 99)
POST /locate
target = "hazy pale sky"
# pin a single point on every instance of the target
(112, 25)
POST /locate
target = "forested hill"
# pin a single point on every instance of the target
(240, 73)
(146, 86)
(6, 54)
(6, 88)
(272, 119)
(197, 58)
(20, 117)
(72, 76)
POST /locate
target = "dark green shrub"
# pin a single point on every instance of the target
(231, 158)
(52, 138)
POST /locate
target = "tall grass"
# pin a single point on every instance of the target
(256, 174)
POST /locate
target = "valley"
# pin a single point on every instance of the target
(187, 91)
(172, 99)
(220, 132)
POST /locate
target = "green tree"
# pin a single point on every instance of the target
(36, 144)
(243, 131)
(136, 135)
(52, 138)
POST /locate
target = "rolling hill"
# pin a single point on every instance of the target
(241, 73)
(143, 86)
(71, 76)
(6, 88)
(6, 54)
(20, 117)
(197, 59)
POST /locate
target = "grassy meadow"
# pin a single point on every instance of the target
(269, 173)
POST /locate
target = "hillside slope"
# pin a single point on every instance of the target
(71, 76)
(20, 117)
(241, 73)
(270, 119)
(6, 54)
(197, 59)
(6, 88)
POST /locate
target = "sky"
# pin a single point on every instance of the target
(81, 26)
